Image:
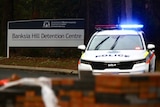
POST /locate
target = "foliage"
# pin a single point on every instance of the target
(62, 63)
(46, 52)
(28, 9)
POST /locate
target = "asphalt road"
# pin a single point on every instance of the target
(7, 72)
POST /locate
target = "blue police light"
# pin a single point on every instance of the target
(133, 26)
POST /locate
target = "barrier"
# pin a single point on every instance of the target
(105, 90)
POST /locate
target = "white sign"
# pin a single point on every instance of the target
(45, 33)
(45, 38)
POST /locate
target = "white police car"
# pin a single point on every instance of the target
(117, 49)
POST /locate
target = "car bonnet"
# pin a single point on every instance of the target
(113, 56)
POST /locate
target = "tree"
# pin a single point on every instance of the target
(128, 10)
(7, 14)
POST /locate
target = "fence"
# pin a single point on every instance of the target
(95, 91)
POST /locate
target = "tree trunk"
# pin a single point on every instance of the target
(109, 12)
(7, 14)
(126, 10)
(128, 5)
(87, 21)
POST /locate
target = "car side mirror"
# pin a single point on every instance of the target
(150, 46)
(82, 47)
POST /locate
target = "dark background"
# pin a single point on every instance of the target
(94, 12)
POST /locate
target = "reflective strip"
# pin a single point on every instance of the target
(146, 54)
(150, 58)
(82, 55)
(79, 62)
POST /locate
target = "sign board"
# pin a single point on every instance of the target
(45, 33)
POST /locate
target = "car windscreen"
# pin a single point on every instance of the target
(116, 42)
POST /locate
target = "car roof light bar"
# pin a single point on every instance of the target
(122, 26)
(134, 26)
(102, 27)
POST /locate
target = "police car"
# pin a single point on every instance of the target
(117, 49)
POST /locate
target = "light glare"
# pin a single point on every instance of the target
(131, 26)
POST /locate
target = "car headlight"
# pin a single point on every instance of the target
(140, 61)
(86, 62)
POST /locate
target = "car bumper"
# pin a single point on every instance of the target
(136, 69)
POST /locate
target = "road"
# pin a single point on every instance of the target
(5, 73)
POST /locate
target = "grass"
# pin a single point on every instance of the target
(64, 63)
